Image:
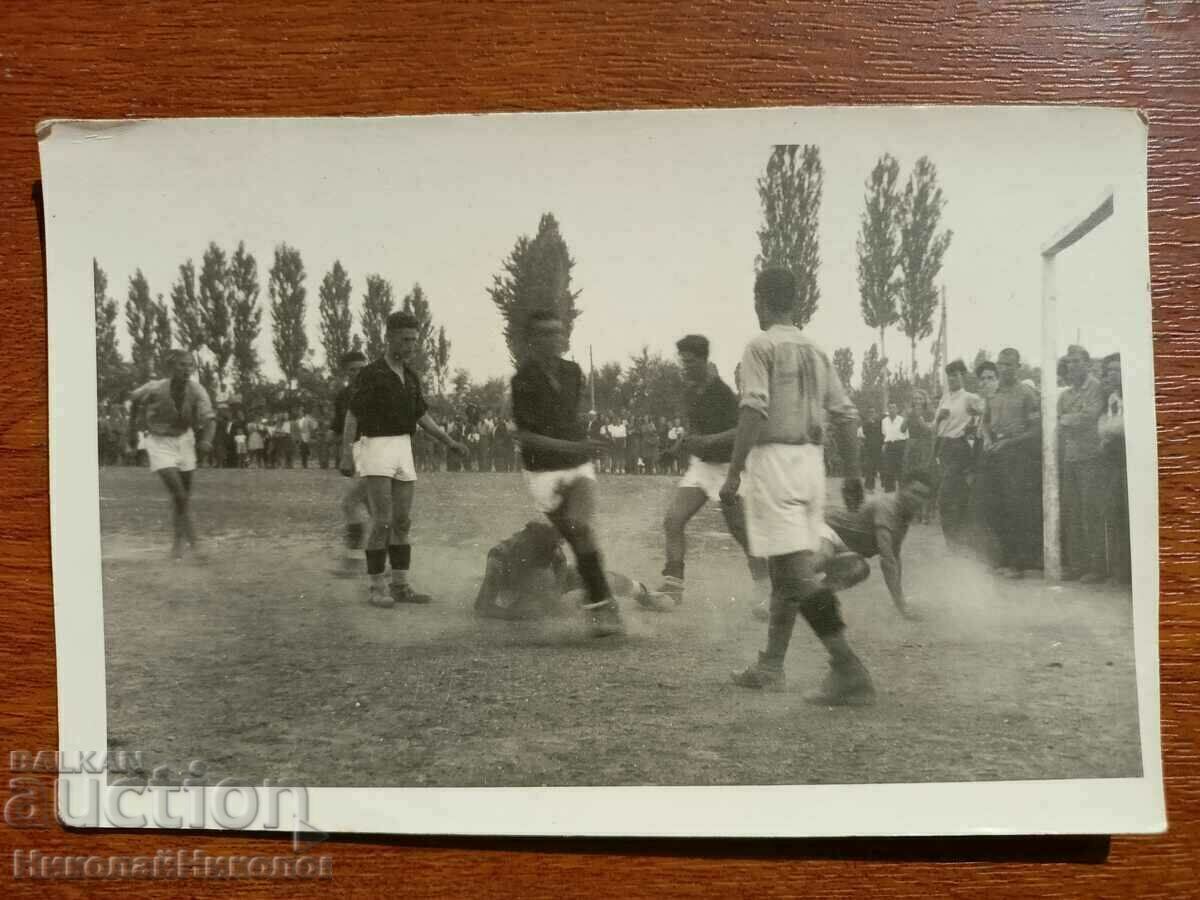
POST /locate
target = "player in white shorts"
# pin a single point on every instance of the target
(547, 393)
(712, 416)
(174, 409)
(386, 406)
(788, 388)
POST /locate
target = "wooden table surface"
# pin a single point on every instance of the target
(99, 59)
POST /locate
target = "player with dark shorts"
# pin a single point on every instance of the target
(877, 528)
(354, 500)
(175, 410)
(712, 418)
(385, 409)
(528, 577)
(547, 393)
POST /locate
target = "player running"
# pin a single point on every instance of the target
(788, 387)
(175, 409)
(712, 418)
(386, 406)
(527, 576)
(547, 393)
(354, 500)
(877, 528)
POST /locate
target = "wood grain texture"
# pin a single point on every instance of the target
(100, 59)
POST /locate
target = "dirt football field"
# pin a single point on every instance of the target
(263, 664)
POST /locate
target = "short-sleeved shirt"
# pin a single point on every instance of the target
(789, 380)
(893, 429)
(962, 406)
(383, 404)
(859, 529)
(1081, 438)
(712, 410)
(166, 418)
(1012, 411)
(542, 408)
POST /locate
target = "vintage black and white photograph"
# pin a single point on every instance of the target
(653, 449)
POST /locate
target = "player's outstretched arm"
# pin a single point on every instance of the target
(542, 442)
(889, 564)
(349, 434)
(432, 427)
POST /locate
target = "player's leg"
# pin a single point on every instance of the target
(379, 504)
(178, 494)
(354, 502)
(574, 519)
(735, 520)
(399, 547)
(686, 501)
(489, 590)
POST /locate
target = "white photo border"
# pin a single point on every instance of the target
(1071, 806)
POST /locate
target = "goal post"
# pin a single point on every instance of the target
(1051, 511)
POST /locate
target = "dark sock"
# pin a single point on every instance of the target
(400, 556)
(673, 570)
(591, 571)
(354, 535)
(780, 624)
(376, 561)
(822, 614)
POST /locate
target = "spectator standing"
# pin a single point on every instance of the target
(895, 439)
(1081, 482)
(1111, 429)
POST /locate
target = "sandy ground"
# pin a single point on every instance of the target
(262, 664)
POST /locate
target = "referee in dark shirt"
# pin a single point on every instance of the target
(386, 406)
(354, 500)
(557, 456)
(712, 417)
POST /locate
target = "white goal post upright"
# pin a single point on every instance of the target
(1051, 543)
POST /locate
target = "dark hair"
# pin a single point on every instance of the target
(541, 315)
(1079, 351)
(399, 321)
(1011, 351)
(350, 357)
(986, 366)
(776, 287)
(957, 366)
(695, 344)
(918, 477)
(1112, 357)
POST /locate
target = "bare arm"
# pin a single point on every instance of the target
(431, 427)
(889, 564)
(750, 425)
(349, 433)
(542, 442)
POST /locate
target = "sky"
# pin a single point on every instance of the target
(659, 209)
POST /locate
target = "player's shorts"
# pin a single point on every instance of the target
(708, 476)
(168, 452)
(385, 457)
(549, 488)
(784, 488)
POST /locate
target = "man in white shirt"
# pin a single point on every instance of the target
(957, 412)
(306, 428)
(619, 431)
(895, 440)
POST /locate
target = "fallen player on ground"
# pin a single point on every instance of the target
(528, 577)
